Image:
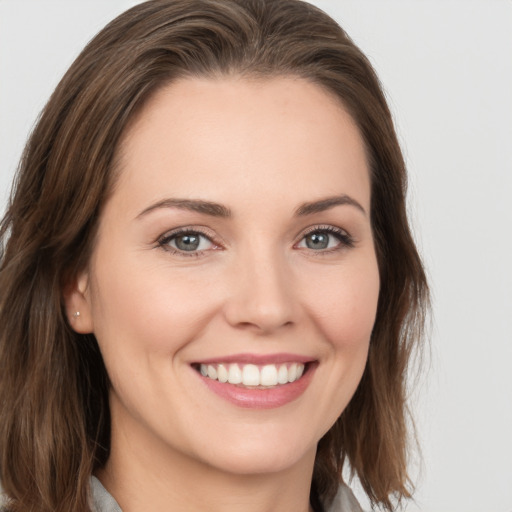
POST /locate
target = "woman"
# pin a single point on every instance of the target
(209, 290)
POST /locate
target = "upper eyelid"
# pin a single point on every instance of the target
(323, 227)
(164, 242)
(345, 238)
(201, 230)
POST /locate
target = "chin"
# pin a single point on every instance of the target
(260, 464)
(261, 454)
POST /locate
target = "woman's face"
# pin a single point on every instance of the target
(237, 244)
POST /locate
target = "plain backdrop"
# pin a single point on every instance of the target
(446, 67)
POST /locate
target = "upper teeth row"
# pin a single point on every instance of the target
(252, 375)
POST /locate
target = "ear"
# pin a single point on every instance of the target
(78, 304)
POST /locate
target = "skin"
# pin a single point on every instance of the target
(261, 148)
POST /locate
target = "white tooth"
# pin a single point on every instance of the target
(268, 375)
(292, 372)
(251, 375)
(234, 374)
(212, 372)
(204, 370)
(282, 374)
(222, 373)
(300, 370)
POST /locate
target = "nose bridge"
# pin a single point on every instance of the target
(262, 297)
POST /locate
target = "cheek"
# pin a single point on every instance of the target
(145, 309)
(344, 305)
(143, 317)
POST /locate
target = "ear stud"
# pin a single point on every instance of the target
(76, 314)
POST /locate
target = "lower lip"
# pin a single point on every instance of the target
(254, 398)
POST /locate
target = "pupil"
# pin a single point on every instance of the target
(187, 242)
(317, 241)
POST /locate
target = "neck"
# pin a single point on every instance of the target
(148, 475)
(181, 488)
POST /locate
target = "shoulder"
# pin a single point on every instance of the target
(101, 499)
(344, 501)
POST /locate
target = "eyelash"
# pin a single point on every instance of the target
(165, 240)
(346, 241)
(344, 238)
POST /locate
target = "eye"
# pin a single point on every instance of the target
(325, 239)
(186, 241)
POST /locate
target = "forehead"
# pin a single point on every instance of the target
(224, 136)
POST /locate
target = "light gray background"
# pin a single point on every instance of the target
(447, 68)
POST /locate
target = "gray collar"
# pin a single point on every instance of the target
(101, 499)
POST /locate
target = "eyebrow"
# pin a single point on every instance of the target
(195, 205)
(219, 210)
(326, 204)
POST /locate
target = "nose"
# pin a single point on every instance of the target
(261, 296)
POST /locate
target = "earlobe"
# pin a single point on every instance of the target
(78, 306)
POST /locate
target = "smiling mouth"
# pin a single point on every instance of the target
(253, 376)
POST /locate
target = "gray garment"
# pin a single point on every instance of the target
(102, 501)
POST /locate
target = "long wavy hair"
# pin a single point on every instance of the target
(54, 410)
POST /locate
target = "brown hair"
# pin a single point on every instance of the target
(55, 428)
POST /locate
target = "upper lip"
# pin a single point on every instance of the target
(258, 359)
